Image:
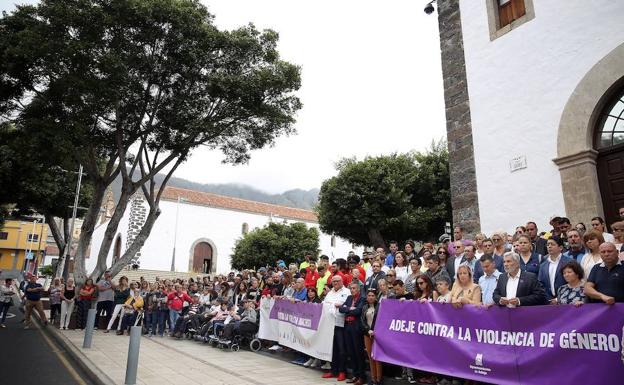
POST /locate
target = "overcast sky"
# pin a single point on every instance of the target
(371, 85)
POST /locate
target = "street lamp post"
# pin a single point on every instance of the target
(30, 239)
(175, 232)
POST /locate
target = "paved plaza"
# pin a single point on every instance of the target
(169, 361)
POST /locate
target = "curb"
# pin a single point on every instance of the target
(94, 374)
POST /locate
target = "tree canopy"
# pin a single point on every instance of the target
(394, 197)
(265, 246)
(132, 87)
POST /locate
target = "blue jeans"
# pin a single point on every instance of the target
(173, 317)
(4, 309)
(158, 321)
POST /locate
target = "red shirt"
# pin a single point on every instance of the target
(311, 278)
(176, 301)
(362, 273)
(346, 278)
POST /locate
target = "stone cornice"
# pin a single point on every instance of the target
(581, 157)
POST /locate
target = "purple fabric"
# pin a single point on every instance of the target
(301, 314)
(570, 344)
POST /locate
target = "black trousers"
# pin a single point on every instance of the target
(338, 364)
(106, 306)
(81, 314)
(354, 341)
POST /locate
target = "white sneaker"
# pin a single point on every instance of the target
(275, 347)
(315, 363)
(326, 366)
(2, 326)
(308, 363)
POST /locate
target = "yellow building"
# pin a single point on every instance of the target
(20, 238)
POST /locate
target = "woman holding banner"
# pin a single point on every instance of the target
(352, 309)
(367, 323)
(465, 291)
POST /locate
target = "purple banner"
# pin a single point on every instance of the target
(527, 345)
(300, 314)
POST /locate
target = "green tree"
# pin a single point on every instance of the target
(399, 197)
(37, 177)
(132, 87)
(265, 246)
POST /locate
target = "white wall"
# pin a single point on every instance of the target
(221, 227)
(518, 86)
(98, 236)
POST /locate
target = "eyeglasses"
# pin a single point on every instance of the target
(442, 252)
(390, 275)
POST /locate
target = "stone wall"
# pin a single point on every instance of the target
(464, 198)
(138, 214)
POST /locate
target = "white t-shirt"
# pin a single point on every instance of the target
(608, 237)
(401, 272)
(334, 297)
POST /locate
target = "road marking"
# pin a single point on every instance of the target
(10, 315)
(63, 360)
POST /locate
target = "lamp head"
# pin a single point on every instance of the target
(429, 8)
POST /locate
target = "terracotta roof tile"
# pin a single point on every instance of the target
(220, 201)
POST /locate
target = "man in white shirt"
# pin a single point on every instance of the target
(516, 287)
(336, 297)
(488, 280)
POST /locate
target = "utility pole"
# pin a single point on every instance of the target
(62, 269)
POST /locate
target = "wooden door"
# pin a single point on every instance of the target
(610, 165)
(202, 258)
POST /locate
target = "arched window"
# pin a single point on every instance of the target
(245, 228)
(611, 124)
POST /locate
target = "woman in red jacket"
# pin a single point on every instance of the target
(175, 302)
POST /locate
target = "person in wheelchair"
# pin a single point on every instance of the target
(219, 316)
(243, 323)
(133, 309)
(191, 318)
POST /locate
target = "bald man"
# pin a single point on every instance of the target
(606, 280)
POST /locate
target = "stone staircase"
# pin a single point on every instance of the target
(150, 275)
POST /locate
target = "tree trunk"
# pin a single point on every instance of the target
(86, 233)
(136, 245)
(60, 239)
(375, 237)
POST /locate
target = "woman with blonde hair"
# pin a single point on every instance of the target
(465, 291)
(68, 299)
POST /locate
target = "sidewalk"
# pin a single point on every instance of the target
(169, 361)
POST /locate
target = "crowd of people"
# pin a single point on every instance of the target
(563, 266)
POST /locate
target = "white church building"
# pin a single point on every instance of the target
(534, 95)
(203, 228)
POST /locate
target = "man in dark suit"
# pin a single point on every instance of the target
(517, 288)
(371, 282)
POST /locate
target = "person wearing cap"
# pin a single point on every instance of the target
(33, 292)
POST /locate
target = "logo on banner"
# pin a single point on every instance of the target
(478, 366)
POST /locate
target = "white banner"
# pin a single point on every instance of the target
(305, 327)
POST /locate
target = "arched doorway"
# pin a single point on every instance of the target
(578, 143)
(202, 258)
(609, 142)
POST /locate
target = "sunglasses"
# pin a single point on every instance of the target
(390, 275)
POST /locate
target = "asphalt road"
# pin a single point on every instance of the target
(30, 357)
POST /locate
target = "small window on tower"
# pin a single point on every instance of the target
(505, 15)
(510, 10)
